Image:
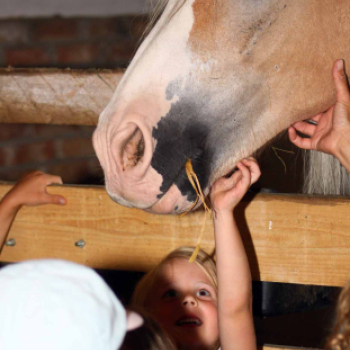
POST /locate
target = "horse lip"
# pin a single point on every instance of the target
(189, 319)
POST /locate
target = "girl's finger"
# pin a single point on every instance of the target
(55, 199)
(341, 83)
(233, 179)
(246, 177)
(254, 169)
(225, 183)
(52, 179)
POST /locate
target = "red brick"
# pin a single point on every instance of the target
(27, 57)
(14, 31)
(121, 51)
(34, 152)
(78, 147)
(101, 28)
(57, 29)
(13, 175)
(15, 131)
(45, 130)
(71, 173)
(77, 54)
(3, 156)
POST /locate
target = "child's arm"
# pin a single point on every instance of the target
(235, 317)
(30, 190)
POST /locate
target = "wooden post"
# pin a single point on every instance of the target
(53, 96)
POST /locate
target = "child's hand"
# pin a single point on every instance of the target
(226, 193)
(31, 190)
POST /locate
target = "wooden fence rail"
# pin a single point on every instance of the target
(53, 96)
(288, 238)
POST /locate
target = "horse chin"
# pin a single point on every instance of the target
(172, 202)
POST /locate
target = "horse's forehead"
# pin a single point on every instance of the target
(222, 24)
(206, 24)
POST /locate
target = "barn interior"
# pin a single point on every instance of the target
(105, 36)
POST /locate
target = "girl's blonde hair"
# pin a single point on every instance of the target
(143, 291)
(340, 336)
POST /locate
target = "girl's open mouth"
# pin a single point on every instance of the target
(189, 321)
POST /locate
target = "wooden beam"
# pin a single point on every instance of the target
(288, 238)
(53, 96)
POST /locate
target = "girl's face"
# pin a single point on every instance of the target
(184, 302)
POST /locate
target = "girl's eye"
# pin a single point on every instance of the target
(171, 293)
(203, 293)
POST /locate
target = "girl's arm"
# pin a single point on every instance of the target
(236, 326)
(30, 190)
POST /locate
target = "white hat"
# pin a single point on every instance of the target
(58, 305)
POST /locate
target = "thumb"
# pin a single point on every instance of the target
(341, 83)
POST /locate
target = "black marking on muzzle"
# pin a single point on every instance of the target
(181, 136)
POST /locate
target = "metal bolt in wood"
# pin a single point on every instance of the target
(80, 243)
(11, 242)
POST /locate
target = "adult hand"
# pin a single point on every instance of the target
(331, 131)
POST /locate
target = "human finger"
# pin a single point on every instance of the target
(30, 175)
(233, 179)
(305, 128)
(53, 199)
(254, 169)
(225, 183)
(318, 116)
(299, 141)
(246, 176)
(341, 83)
(52, 179)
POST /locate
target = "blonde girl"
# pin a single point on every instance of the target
(204, 305)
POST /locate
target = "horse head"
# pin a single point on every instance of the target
(212, 82)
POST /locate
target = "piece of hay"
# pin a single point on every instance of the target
(275, 149)
(192, 177)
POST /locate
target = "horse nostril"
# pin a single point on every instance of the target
(133, 150)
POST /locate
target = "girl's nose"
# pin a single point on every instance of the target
(189, 300)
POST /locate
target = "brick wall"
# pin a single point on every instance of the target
(57, 42)
(61, 150)
(73, 42)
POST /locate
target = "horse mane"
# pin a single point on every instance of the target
(325, 175)
(155, 9)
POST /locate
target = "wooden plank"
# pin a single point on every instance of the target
(53, 96)
(288, 238)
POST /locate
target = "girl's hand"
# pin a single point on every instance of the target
(31, 190)
(331, 131)
(226, 193)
